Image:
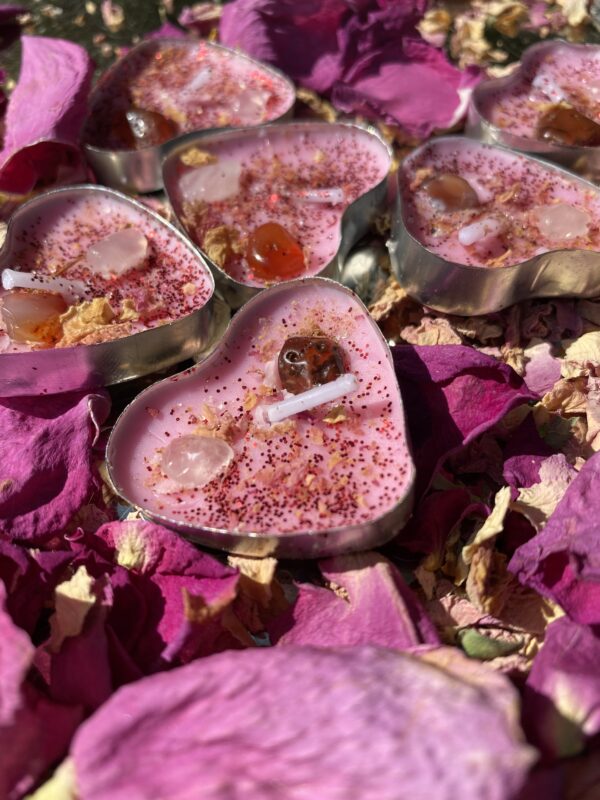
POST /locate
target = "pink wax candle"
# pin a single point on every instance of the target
(342, 462)
(301, 178)
(163, 88)
(482, 206)
(554, 97)
(89, 265)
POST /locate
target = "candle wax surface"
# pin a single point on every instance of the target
(525, 207)
(340, 464)
(170, 285)
(194, 85)
(270, 177)
(561, 75)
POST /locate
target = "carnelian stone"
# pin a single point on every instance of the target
(451, 192)
(565, 125)
(273, 253)
(32, 316)
(307, 361)
(138, 128)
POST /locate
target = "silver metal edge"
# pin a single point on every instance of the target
(455, 288)
(140, 170)
(581, 159)
(89, 366)
(354, 222)
(299, 544)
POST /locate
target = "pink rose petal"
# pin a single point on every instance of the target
(563, 561)
(371, 604)
(47, 463)
(303, 722)
(452, 394)
(562, 696)
(44, 116)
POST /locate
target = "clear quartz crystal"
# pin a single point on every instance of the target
(211, 182)
(560, 222)
(117, 253)
(193, 461)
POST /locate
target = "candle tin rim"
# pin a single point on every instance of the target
(292, 544)
(104, 356)
(354, 220)
(139, 170)
(440, 284)
(480, 127)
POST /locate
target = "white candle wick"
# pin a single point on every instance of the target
(334, 196)
(72, 291)
(305, 401)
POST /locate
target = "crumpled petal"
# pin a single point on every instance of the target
(34, 732)
(451, 395)
(538, 501)
(44, 116)
(368, 602)
(561, 703)
(367, 55)
(563, 561)
(420, 90)
(348, 722)
(46, 462)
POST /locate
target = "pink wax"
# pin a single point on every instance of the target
(52, 239)
(340, 464)
(561, 73)
(302, 177)
(194, 84)
(529, 207)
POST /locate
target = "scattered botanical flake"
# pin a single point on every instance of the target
(538, 502)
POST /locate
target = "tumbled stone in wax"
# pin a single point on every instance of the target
(307, 361)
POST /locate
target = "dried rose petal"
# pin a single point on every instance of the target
(562, 697)
(369, 603)
(452, 394)
(42, 128)
(352, 722)
(47, 462)
(563, 561)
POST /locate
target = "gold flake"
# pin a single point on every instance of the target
(194, 157)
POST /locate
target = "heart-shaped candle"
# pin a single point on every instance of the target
(289, 439)
(166, 87)
(96, 288)
(479, 228)
(277, 202)
(549, 106)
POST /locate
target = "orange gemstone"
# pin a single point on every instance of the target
(565, 125)
(451, 192)
(137, 128)
(32, 316)
(273, 254)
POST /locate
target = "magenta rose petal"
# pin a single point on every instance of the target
(561, 705)
(562, 561)
(377, 607)
(419, 90)
(304, 722)
(34, 732)
(41, 137)
(47, 462)
(452, 394)
(301, 40)
(183, 589)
